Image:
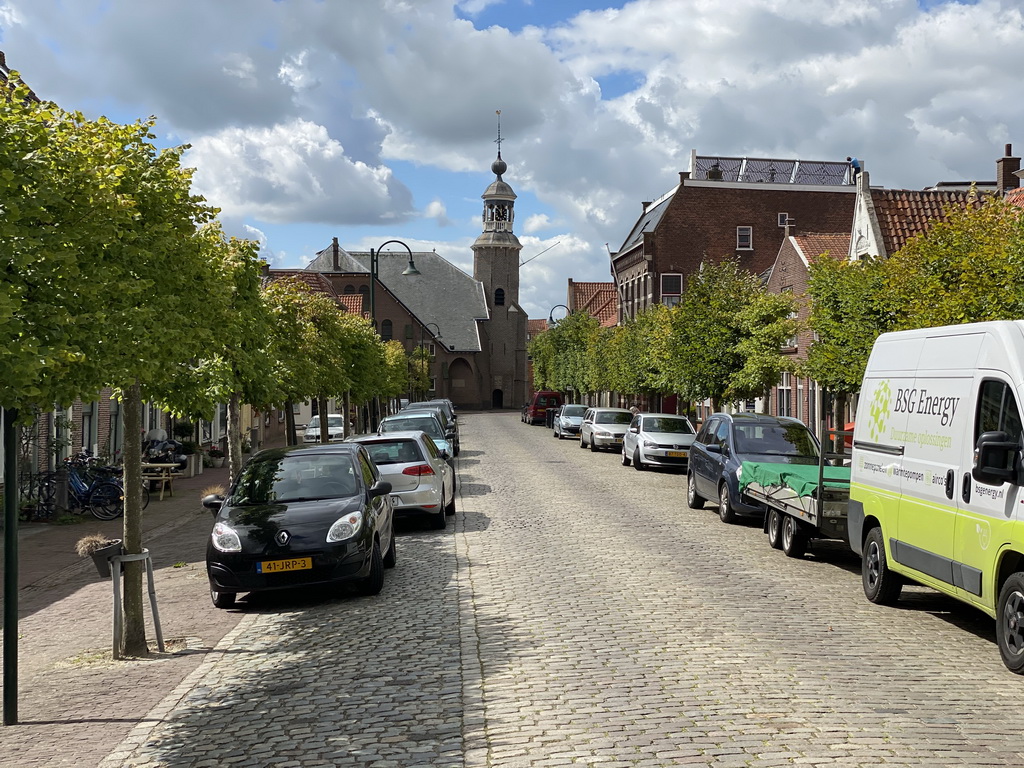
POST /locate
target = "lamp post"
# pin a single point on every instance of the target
(551, 314)
(374, 263)
(437, 336)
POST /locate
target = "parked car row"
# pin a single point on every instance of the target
(323, 513)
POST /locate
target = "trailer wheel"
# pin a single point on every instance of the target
(881, 585)
(1010, 629)
(794, 541)
(774, 529)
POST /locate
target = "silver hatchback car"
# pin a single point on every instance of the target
(568, 419)
(604, 427)
(421, 480)
(658, 440)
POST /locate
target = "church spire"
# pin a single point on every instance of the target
(498, 167)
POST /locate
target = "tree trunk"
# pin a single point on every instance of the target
(347, 412)
(289, 424)
(325, 432)
(234, 436)
(133, 641)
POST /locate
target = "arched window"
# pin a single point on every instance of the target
(386, 330)
(499, 297)
(349, 288)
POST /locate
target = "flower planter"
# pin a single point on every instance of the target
(217, 461)
(195, 465)
(101, 557)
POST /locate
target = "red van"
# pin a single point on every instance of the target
(536, 411)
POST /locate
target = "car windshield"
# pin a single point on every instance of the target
(426, 423)
(295, 478)
(667, 424)
(574, 410)
(394, 452)
(775, 440)
(614, 417)
(332, 422)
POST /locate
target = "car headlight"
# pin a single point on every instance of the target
(225, 538)
(602, 433)
(739, 472)
(650, 444)
(346, 527)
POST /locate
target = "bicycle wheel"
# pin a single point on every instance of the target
(106, 501)
(45, 496)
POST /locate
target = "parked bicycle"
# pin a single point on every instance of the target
(91, 488)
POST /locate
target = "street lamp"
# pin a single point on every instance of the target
(551, 314)
(374, 263)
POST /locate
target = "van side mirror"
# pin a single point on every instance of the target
(996, 459)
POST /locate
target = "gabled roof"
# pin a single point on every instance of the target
(533, 327)
(812, 244)
(904, 213)
(441, 294)
(316, 282)
(599, 300)
(353, 303)
(647, 222)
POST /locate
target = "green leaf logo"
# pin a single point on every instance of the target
(879, 411)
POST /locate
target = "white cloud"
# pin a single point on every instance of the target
(293, 172)
(436, 210)
(536, 223)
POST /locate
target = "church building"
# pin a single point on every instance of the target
(473, 326)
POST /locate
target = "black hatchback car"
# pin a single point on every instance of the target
(727, 440)
(300, 516)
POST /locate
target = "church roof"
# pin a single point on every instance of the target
(441, 294)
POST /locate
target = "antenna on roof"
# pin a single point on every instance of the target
(539, 254)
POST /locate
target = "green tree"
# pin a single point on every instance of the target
(847, 314)
(967, 268)
(705, 334)
(765, 324)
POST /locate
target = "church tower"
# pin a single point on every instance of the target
(496, 266)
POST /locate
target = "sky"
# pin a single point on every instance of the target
(372, 120)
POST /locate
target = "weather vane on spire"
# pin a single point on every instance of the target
(498, 140)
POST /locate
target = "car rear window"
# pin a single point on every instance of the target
(394, 452)
(427, 424)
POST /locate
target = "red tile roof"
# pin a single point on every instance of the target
(599, 300)
(812, 244)
(353, 303)
(1016, 197)
(533, 327)
(904, 213)
(320, 283)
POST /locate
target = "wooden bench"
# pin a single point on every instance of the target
(162, 474)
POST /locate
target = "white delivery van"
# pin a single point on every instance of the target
(937, 482)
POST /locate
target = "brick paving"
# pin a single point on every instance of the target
(577, 614)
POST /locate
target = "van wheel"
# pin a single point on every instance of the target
(725, 510)
(693, 501)
(794, 540)
(774, 529)
(881, 585)
(1010, 630)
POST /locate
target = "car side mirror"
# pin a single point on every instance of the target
(713, 448)
(444, 454)
(213, 502)
(996, 459)
(380, 488)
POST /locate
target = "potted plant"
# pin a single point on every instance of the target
(183, 430)
(216, 456)
(193, 458)
(101, 549)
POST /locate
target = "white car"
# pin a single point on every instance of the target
(421, 480)
(335, 428)
(568, 419)
(604, 427)
(658, 440)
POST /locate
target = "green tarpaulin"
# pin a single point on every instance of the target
(801, 478)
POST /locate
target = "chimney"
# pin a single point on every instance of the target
(334, 251)
(683, 176)
(264, 269)
(790, 226)
(1006, 168)
(645, 203)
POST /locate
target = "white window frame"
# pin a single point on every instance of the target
(670, 298)
(783, 219)
(745, 233)
(783, 402)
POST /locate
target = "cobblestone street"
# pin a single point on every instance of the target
(579, 613)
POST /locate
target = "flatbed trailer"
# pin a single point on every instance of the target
(801, 501)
